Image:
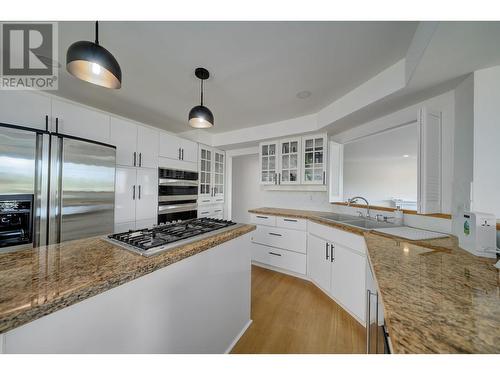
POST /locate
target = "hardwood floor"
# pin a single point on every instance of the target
(291, 315)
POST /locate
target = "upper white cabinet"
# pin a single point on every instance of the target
(136, 146)
(268, 156)
(314, 159)
(211, 175)
(78, 121)
(294, 161)
(176, 148)
(24, 109)
(289, 161)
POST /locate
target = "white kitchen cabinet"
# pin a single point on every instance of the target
(124, 137)
(211, 175)
(23, 108)
(318, 262)
(215, 211)
(147, 147)
(289, 161)
(314, 156)
(136, 146)
(125, 193)
(136, 195)
(268, 159)
(147, 194)
(348, 279)
(176, 148)
(79, 121)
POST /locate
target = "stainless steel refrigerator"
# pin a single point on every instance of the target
(70, 182)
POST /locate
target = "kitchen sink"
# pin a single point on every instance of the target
(368, 224)
(358, 222)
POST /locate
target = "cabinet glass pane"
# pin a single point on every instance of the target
(293, 175)
(286, 161)
(285, 148)
(264, 176)
(308, 159)
(272, 162)
(265, 150)
(285, 176)
(308, 174)
(207, 178)
(293, 161)
(318, 157)
(318, 175)
(294, 146)
(318, 143)
(272, 149)
(309, 145)
(264, 163)
(209, 155)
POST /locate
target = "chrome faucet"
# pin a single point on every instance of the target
(355, 199)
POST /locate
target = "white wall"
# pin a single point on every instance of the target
(486, 171)
(463, 155)
(247, 193)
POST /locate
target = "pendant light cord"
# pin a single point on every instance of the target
(202, 92)
(97, 32)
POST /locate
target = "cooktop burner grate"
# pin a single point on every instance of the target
(166, 236)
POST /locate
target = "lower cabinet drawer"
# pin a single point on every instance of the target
(287, 239)
(288, 260)
(263, 219)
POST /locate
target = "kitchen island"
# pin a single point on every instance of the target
(437, 298)
(91, 296)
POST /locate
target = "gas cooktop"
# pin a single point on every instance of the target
(150, 241)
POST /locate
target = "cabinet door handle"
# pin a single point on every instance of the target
(324, 178)
(204, 213)
(218, 211)
(275, 234)
(179, 157)
(278, 255)
(262, 217)
(139, 191)
(140, 159)
(326, 251)
(279, 178)
(57, 125)
(291, 220)
(275, 178)
(133, 193)
(332, 247)
(182, 153)
(135, 158)
(46, 123)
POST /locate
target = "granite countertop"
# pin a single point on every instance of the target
(37, 282)
(437, 297)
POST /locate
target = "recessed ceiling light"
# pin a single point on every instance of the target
(406, 156)
(303, 94)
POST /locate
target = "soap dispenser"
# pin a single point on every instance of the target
(398, 216)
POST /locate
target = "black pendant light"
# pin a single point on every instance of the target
(200, 116)
(93, 63)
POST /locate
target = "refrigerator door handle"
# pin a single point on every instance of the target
(135, 157)
(133, 193)
(139, 191)
(140, 159)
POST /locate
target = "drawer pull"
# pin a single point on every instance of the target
(262, 217)
(278, 255)
(291, 220)
(204, 213)
(275, 234)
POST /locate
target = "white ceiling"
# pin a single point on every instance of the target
(257, 68)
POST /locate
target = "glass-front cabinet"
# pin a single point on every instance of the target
(314, 159)
(211, 175)
(289, 171)
(269, 163)
(294, 161)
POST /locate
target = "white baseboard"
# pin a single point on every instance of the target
(281, 270)
(238, 337)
